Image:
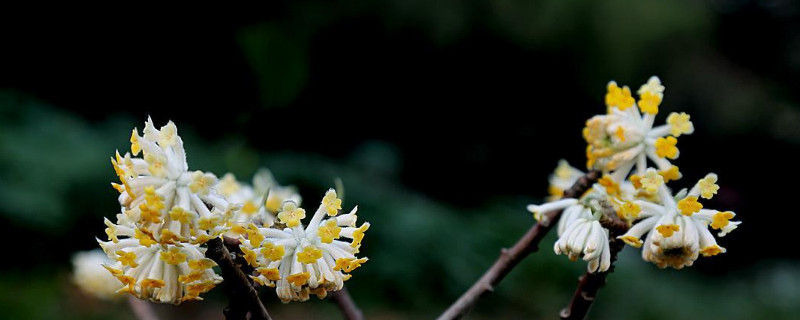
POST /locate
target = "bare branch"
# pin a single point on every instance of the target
(509, 258)
(347, 305)
(242, 296)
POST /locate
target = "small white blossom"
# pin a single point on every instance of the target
(298, 260)
(562, 179)
(625, 137)
(579, 230)
(90, 276)
(678, 228)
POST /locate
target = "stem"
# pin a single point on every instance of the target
(590, 283)
(142, 309)
(509, 258)
(347, 305)
(242, 296)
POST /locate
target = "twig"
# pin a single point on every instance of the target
(241, 293)
(509, 258)
(142, 309)
(590, 283)
(347, 305)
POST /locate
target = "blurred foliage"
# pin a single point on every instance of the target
(423, 254)
(442, 119)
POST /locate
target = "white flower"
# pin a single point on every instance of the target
(625, 138)
(161, 196)
(163, 273)
(585, 238)
(251, 198)
(90, 276)
(579, 230)
(562, 179)
(677, 228)
(299, 260)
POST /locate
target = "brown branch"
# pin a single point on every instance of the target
(590, 283)
(347, 305)
(141, 308)
(242, 296)
(509, 258)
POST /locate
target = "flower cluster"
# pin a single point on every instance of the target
(155, 246)
(254, 207)
(299, 261)
(621, 144)
(167, 212)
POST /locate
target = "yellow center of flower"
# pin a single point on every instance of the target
(193, 291)
(135, 147)
(348, 264)
(127, 258)
(249, 256)
(273, 203)
(636, 181)
(329, 231)
(191, 277)
(271, 274)
(629, 210)
(679, 124)
(310, 254)
(665, 147)
(254, 235)
(612, 188)
(620, 133)
(168, 236)
(708, 186)
(648, 102)
(152, 206)
(689, 206)
(667, 230)
(358, 235)
(201, 182)
(712, 250)
(228, 185)
(291, 214)
(651, 181)
(332, 203)
(168, 136)
(632, 241)
(618, 97)
(174, 256)
(555, 192)
(200, 264)
(721, 219)
(273, 252)
(157, 165)
(298, 279)
(145, 239)
(670, 174)
(208, 223)
(181, 215)
(152, 283)
(249, 208)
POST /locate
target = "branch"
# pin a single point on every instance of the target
(141, 308)
(242, 296)
(347, 305)
(590, 283)
(509, 258)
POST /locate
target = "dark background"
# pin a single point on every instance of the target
(443, 118)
